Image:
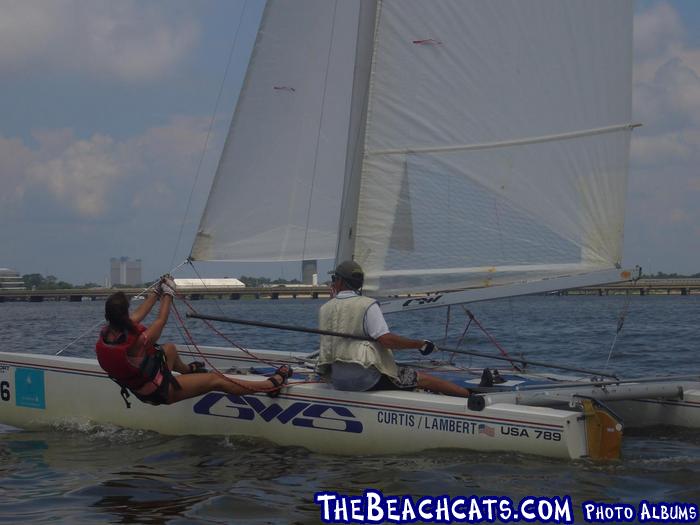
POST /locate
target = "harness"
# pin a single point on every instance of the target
(113, 357)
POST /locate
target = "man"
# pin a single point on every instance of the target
(358, 365)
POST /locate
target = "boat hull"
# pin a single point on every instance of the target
(41, 391)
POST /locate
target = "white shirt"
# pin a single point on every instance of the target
(374, 325)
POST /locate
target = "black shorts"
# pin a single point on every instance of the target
(407, 380)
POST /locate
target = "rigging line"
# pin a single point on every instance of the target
(620, 323)
(100, 322)
(214, 329)
(204, 357)
(501, 244)
(331, 333)
(318, 135)
(198, 171)
(448, 318)
(492, 339)
(461, 340)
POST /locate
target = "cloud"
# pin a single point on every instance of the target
(664, 184)
(81, 176)
(667, 70)
(126, 40)
(98, 176)
(657, 31)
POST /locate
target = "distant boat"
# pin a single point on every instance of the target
(479, 148)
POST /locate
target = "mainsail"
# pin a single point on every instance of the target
(496, 143)
(474, 143)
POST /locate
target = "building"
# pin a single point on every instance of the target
(126, 271)
(223, 283)
(10, 280)
(309, 272)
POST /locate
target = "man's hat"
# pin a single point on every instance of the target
(351, 273)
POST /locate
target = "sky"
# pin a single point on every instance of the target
(113, 116)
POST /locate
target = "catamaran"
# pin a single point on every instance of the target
(461, 150)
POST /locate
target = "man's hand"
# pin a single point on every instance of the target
(428, 347)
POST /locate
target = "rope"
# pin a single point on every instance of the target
(492, 339)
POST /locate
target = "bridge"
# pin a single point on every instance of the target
(191, 293)
(681, 286)
(640, 287)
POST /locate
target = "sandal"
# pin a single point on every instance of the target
(197, 367)
(285, 372)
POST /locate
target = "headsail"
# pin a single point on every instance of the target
(496, 143)
(276, 192)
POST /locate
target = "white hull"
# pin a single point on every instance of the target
(41, 391)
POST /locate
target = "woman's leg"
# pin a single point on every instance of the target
(197, 384)
(172, 358)
(436, 384)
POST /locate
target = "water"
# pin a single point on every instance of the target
(101, 474)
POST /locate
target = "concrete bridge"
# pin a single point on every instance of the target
(191, 293)
(682, 286)
(640, 287)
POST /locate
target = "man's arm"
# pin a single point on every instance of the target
(397, 342)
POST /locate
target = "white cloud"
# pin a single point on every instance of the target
(657, 31)
(666, 91)
(94, 177)
(82, 176)
(664, 183)
(115, 39)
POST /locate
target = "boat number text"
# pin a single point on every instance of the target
(546, 435)
(300, 413)
(5, 390)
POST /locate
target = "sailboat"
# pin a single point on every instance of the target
(459, 150)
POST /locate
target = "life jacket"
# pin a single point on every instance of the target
(114, 359)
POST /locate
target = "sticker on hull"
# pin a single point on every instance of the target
(29, 388)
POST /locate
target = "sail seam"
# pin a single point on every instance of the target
(504, 144)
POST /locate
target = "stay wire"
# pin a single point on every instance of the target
(620, 324)
(101, 322)
(198, 172)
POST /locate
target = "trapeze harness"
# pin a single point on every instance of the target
(149, 381)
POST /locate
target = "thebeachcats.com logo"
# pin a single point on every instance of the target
(374, 507)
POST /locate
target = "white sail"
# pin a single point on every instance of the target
(276, 192)
(496, 143)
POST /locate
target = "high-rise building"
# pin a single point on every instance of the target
(309, 271)
(123, 270)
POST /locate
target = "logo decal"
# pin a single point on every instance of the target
(29, 388)
(299, 413)
(422, 300)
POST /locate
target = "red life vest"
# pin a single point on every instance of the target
(114, 359)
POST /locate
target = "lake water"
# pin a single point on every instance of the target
(98, 474)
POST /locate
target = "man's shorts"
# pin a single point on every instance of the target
(407, 380)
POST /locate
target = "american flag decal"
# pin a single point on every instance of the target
(485, 429)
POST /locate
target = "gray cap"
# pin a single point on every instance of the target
(351, 273)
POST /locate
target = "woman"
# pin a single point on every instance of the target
(129, 353)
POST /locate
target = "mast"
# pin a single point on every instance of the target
(366, 35)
